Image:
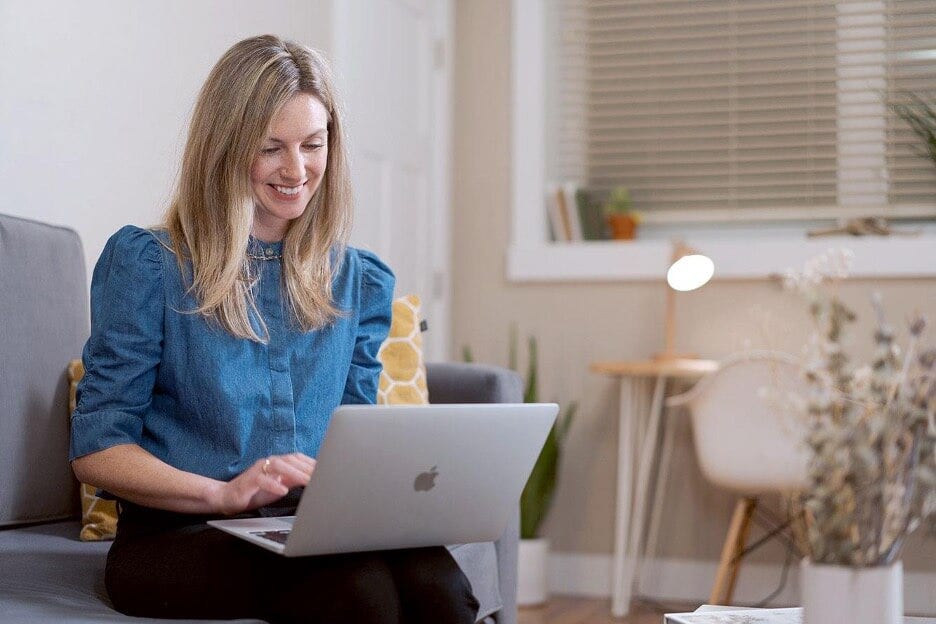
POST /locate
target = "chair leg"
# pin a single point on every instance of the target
(730, 563)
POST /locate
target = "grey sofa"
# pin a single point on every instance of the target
(46, 573)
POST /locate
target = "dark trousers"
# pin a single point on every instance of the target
(169, 565)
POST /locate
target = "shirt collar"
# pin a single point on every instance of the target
(257, 248)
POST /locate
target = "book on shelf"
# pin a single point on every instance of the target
(557, 226)
(573, 215)
(569, 207)
(562, 220)
(591, 216)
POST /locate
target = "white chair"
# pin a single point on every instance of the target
(749, 438)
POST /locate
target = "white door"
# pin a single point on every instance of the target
(393, 70)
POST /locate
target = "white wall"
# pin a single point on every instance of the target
(95, 98)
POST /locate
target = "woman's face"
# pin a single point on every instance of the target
(290, 165)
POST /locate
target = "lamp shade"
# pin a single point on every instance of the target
(690, 272)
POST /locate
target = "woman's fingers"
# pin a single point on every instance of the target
(300, 462)
(288, 470)
(303, 462)
(286, 464)
(287, 474)
(272, 483)
(266, 481)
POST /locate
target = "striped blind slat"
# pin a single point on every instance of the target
(730, 105)
(911, 66)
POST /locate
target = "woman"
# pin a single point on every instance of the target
(220, 344)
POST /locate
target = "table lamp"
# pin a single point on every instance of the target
(688, 270)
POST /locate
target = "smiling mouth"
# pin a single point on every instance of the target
(287, 190)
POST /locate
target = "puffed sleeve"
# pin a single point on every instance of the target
(375, 306)
(124, 350)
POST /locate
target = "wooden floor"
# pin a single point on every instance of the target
(569, 610)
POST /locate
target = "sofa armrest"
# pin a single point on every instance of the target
(458, 382)
(508, 547)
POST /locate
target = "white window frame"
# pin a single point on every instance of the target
(532, 258)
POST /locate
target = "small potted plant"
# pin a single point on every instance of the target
(537, 495)
(533, 557)
(622, 219)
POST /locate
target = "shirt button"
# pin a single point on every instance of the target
(268, 251)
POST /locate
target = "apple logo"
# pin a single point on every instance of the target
(426, 480)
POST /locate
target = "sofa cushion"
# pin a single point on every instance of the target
(403, 378)
(479, 563)
(98, 515)
(45, 323)
(48, 575)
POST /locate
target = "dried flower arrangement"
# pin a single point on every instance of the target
(872, 429)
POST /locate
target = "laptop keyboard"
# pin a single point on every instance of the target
(279, 537)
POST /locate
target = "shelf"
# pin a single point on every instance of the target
(736, 258)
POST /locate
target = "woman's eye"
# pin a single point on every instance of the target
(269, 150)
(314, 146)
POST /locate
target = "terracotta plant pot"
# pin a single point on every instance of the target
(622, 226)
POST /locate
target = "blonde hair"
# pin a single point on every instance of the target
(212, 211)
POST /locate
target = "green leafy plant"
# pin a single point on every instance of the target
(538, 493)
(541, 486)
(920, 115)
(619, 203)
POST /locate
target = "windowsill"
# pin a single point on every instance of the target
(755, 257)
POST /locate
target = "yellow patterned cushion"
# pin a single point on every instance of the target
(98, 516)
(403, 381)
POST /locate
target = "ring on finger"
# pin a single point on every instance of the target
(266, 466)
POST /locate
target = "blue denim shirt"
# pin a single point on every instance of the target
(195, 396)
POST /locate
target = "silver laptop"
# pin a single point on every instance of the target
(408, 476)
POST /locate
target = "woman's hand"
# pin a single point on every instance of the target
(266, 481)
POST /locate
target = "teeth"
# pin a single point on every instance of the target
(288, 190)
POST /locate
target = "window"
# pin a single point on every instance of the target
(729, 109)
(718, 114)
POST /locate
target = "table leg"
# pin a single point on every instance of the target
(648, 451)
(663, 467)
(630, 409)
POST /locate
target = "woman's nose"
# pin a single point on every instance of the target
(293, 168)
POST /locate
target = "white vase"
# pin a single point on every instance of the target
(833, 594)
(532, 569)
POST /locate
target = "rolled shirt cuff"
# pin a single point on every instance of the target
(101, 430)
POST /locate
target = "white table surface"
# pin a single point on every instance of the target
(711, 614)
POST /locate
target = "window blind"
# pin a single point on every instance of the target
(911, 38)
(770, 107)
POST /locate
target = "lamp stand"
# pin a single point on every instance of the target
(669, 331)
